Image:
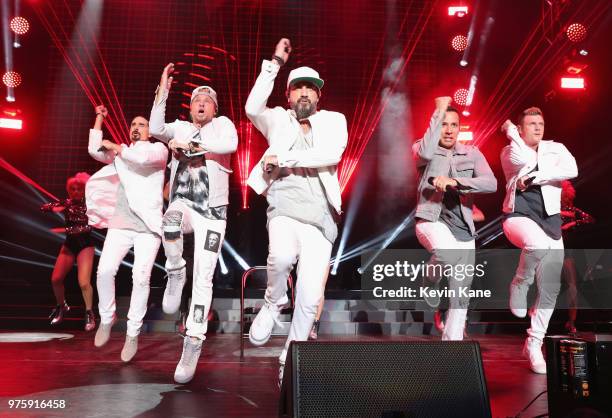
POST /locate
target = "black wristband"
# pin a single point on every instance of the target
(278, 59)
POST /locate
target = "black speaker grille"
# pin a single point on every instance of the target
(408, 379)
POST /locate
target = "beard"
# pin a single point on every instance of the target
(135, 136)
(303, 109)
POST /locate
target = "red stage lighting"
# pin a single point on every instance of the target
(460, 97)
(11, 123)
(575, 68)
(20, 25)
(576, 32)
(11, 79)
(10, 118)
(458, 11)
(572, 83)
(459, 43)
(465, 136)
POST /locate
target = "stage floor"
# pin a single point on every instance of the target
(95, 383)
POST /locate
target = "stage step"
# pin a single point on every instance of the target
(340, 317)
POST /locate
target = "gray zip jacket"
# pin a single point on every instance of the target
(466, 165)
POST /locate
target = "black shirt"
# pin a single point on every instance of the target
(530, 203)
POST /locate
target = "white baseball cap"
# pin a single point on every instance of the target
(304, 74)
(206, 91)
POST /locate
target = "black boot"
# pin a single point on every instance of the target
(57, 316)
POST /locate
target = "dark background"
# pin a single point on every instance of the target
(351, 43)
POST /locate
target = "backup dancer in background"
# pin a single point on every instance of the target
(572, 217)
(77, 246)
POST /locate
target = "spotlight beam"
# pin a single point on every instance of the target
(25, 261)
(354, 204)
(237, 257)
(21, 247)
(362, 134)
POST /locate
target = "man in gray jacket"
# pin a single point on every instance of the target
(449, 174)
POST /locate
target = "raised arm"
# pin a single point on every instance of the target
(97, 147)
(424, 149)
(157, 122)
(256, 106)
(518, 154)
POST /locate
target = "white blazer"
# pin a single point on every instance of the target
(281, 129)
(218, 137)
(555, 164)
(140, 169)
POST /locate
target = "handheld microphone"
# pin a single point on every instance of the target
(448, 188)
(528, 181)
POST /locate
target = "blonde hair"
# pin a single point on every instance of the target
(80, 177)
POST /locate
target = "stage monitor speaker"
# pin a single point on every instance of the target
(579, 375)
(411, 379)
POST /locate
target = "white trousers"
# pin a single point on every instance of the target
(445, 249)
(292, 241)
(542, 259)
(208, 235)
(116, 245)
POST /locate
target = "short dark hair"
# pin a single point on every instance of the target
(139, 116)
(530, 111)
(452, 109)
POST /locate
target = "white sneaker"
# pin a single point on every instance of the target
(518, 299)
(532, 351)
(185, 369)
(174, 290)
(130, 347)
(103, 333)
(263, 324)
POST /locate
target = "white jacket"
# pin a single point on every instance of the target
(281, 129)
(140, 169)
(218, 137)
(555, 164)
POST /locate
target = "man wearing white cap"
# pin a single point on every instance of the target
(298, 176)
(199, 188)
